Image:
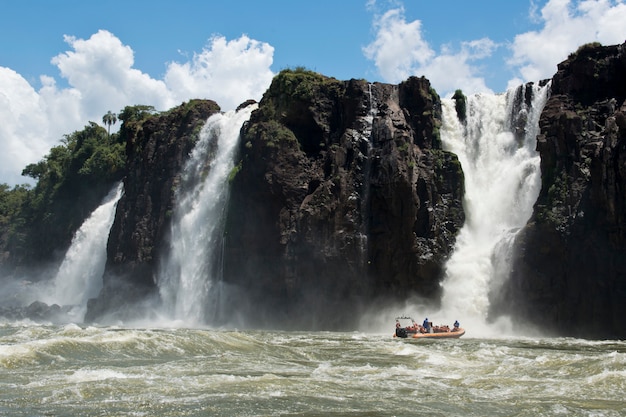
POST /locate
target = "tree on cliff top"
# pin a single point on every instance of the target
(109, 119)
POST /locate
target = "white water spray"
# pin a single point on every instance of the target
(502, 182)
(80, 275)
(187, 281)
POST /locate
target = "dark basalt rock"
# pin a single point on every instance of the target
(569, 276)
(37, 311)
(343, 197)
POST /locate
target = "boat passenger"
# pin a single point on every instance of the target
(456, 326)
(400, 331)
(427, 325)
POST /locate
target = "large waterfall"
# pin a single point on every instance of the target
(502, 181)
(189, 276)
(80, 275)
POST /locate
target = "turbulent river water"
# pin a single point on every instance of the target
(151, 369)
(73, 370)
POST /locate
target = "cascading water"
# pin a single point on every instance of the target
(80, 275)
(366, 135)
(502, 181)
(188, 276)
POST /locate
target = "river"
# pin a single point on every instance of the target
(72, 370)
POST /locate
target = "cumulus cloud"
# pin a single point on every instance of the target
(100, 75)
(400, 51)
(230, 70)
(23, 125)
(398, 48)
(566, 25)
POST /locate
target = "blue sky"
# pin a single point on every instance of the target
(66, 62)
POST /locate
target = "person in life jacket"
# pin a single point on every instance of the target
(426, 325)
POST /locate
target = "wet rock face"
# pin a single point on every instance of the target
(39, 312)
(570, 273)
(342, 196)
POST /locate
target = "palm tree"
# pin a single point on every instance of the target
(109, 119)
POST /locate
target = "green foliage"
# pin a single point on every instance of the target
(585, 48)
(11, 223)
(233, 172)
(403, 147)
(71, 181)
(460, 104)
(297, 85)
(131, 118)
(85, 153)
(136, 113)
(104, 162)
(272, 133)
(445, 164)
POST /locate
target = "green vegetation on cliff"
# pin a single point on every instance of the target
(289, 108)
(71, 179)
(300, 84)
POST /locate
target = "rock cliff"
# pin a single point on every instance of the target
(342, 196)
(569, 275)
(156, 148)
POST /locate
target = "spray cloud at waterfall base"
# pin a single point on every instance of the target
(63, 298)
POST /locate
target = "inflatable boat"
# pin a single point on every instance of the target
(406, 327)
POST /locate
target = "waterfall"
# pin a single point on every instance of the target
(188, 276)
(80, 275)
(496, 148)
(366, 135)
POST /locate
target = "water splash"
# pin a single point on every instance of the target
(80, 275)
(502, 181)
(188, 276)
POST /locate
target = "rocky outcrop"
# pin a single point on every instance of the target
(343, 196)
(39, 312)
(156, 148)
(569, 276)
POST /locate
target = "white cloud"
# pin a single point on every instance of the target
(231, 71)
(400, 51)
(398, 48)
(100, 77)
(23, 125)
(101, 69)
(566, 24)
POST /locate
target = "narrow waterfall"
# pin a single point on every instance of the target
(80, 275)
(188, 276)
(496, 148)
(366, 135)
